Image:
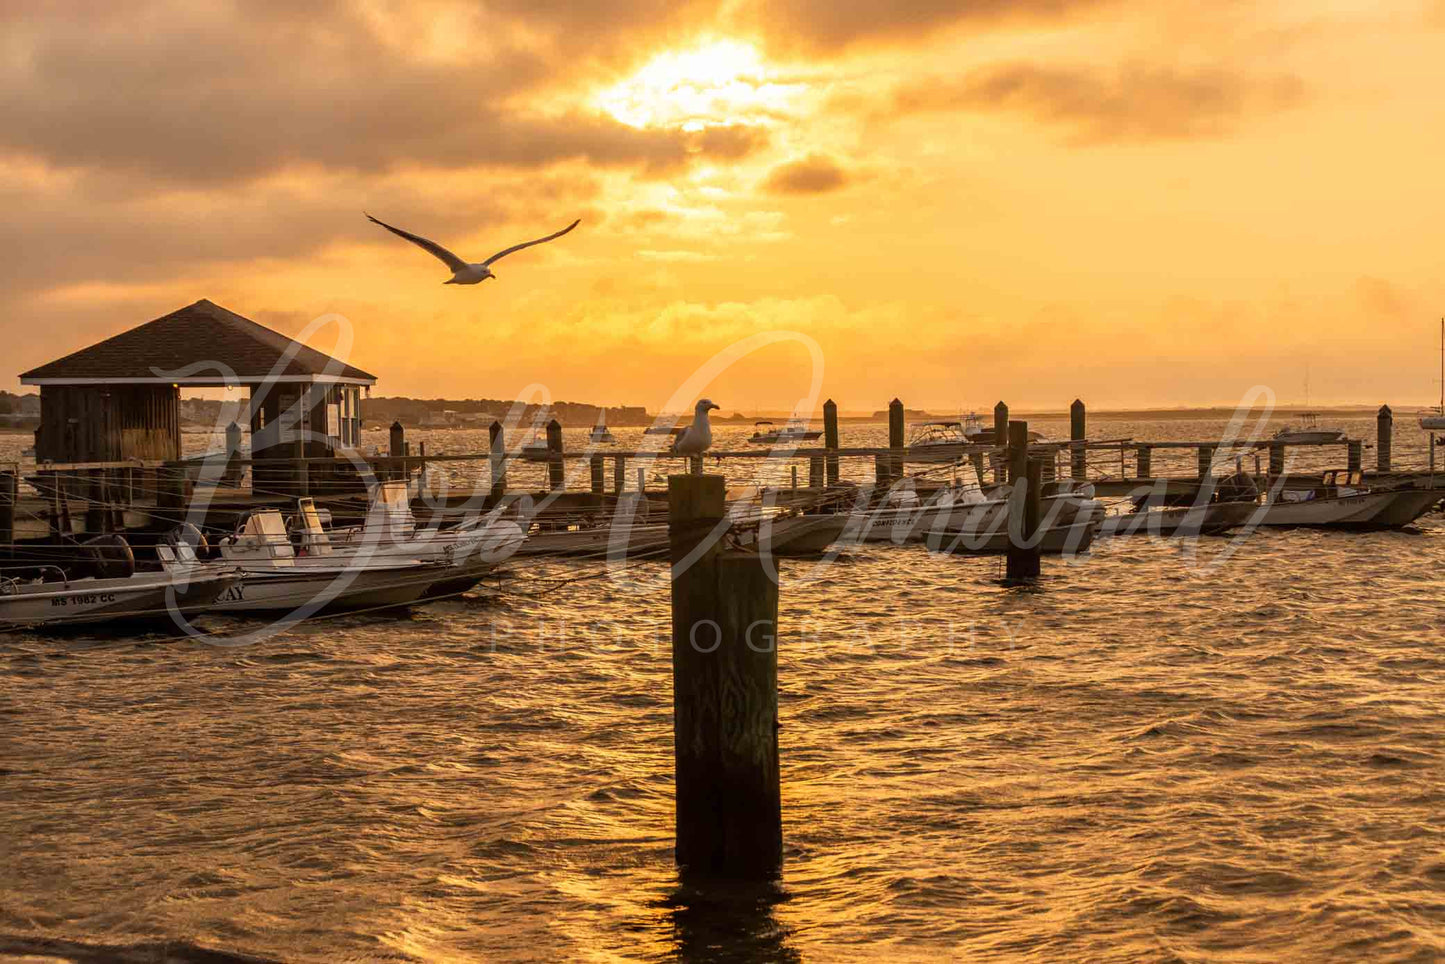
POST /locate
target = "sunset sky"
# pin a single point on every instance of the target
(1136, 203)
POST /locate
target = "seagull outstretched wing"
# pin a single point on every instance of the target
(505, 251)
(451, 260)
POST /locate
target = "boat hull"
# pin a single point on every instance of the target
(1209, 519)
(1067, 539)
(336, 588)
(147, 597)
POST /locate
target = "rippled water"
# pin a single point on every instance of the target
(1150, 758)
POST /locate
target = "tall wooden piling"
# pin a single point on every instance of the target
(497, 459)
(1144, 461)
(619, 474)
(1356, 456)
(1000, 442)
(556, 478)
(830, 438)
(725, 693)
(1276, 459)
(1078, 462)
(815, 473)
(1384, 438)
(896, 440)
(1024, 506)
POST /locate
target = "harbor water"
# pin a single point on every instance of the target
(1225, 750)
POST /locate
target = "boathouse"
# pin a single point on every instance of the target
(118, 400)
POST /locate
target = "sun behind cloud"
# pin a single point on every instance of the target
(720, 82)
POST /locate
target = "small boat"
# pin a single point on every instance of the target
(664, 430)
(937, 435)
(1308, 431)
(807, 534)
(1211, 518)
(600, 433)
(622, 533)
(536, 450)
(48, 597)
(766, 433)
(1343, 501)
(278, 579)
(965, 522)
(1435, 420)
(471, 551)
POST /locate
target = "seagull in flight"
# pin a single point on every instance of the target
(465, 273)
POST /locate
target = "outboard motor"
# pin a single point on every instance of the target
(1238, 487)
(109, 556)
(187, 534)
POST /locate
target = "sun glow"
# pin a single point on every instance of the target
(721, 82)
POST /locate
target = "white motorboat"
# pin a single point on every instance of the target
(805, 534)
(766, 433)
(48, 597)
(388, 531)
(938, 434)
(600, 433)
(963, 521)
(277, 579)
(1435, 420)
(1344, 502)
(1308, 431)
(536, 450)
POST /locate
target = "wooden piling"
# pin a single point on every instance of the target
(9, 497)
(830, 438)
(1078, 461)
(896, 440)
(1024, 506)
(725, 693)
(815, 473)
(619, 474)
(497, 459)
(598, 476)
(1000, 442)
(1356, 456)
(397, 440)
(1143, 461)
(96, 515)
(556, 477)
(1276, 459)
(1205, 462)
(1384, 438)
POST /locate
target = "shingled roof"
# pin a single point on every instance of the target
(196, 333)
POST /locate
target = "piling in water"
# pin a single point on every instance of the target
(497, 460)
(1385, 437)
(556, 480)
(725, 692)
(1078, 463)
(830, 438)
(1024, 508)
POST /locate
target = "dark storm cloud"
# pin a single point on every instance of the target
(814, 174)
(1133, 104)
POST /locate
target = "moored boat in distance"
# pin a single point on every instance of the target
(766, 433)
(1308, 431)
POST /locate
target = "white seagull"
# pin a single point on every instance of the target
(697, 438)
(465, 273)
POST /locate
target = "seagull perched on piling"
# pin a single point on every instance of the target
(465, 273)
(697, 437)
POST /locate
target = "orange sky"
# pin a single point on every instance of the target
(1136, 203)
